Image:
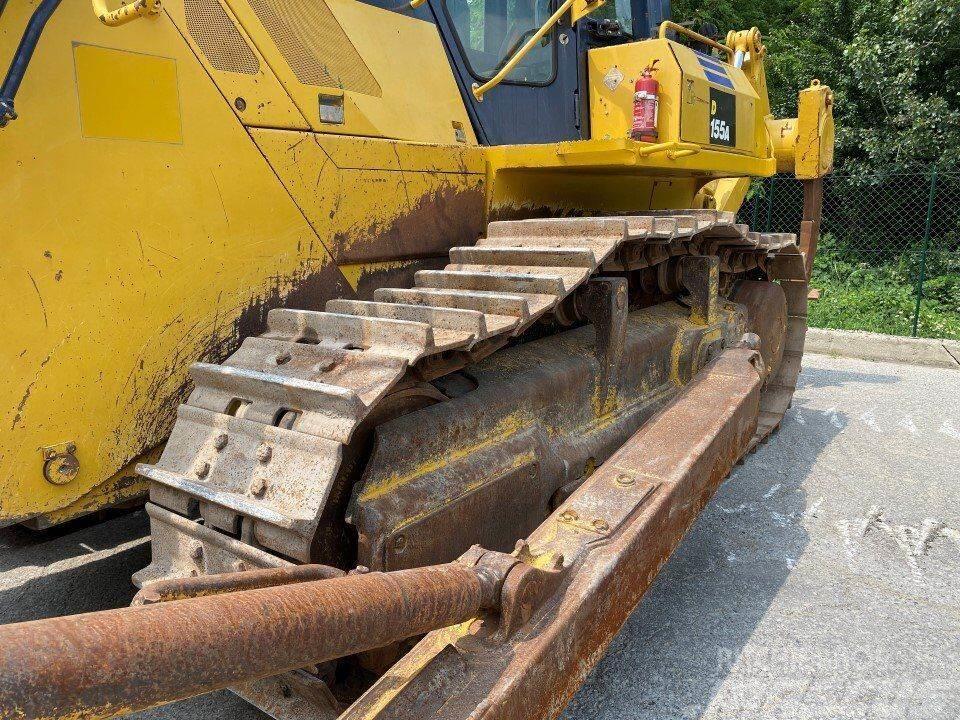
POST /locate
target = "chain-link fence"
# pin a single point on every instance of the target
(889, 253)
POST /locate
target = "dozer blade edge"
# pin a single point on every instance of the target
(512, 635)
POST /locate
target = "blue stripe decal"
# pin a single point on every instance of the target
(718, 79)
(712, 65)
(708, 59)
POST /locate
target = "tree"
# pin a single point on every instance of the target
(894, 66)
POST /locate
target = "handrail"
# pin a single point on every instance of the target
(673, 149)
(125, 13)
(667, 25)
(480, 90)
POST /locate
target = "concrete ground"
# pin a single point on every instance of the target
(822, 582)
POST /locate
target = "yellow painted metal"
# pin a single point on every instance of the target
(685, 105)
(127, 95)
(725, 194)
(696, 105)
(815, 132)
(125, 13)
(377, 200)
(242, 75)
(783, 135)
(125, 260)
(421, 106)
(804, 145)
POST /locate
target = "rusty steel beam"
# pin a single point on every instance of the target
(608, 540)
(104, 664)
(201, 585)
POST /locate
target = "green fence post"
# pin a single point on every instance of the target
(926, 247)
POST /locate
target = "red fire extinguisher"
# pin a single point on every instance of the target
(646, 105)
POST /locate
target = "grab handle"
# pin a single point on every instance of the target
(125, 13)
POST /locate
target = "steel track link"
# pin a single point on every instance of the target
(258, 445)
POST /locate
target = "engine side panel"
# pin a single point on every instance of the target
(151, 231)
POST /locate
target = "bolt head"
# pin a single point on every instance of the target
(197, 553)
(264, 453)
(201, 469)
(220, 441)
(258, 487)
(601, 525)
(283, 358)
(625, 480)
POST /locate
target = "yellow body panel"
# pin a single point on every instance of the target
(684, 98)
(419, 106)
(125, 95)
(233, 61)
(128, 259)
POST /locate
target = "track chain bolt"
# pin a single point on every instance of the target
(601, 525)
(258, 487)
(264, 453)
(283, 358)
(220, 441)
(197, 553)
(202, 469)
(625, 480)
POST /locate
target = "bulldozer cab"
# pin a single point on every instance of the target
(544, 98)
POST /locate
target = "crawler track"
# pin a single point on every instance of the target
(259, 444)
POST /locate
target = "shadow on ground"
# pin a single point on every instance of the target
(79, 567)
(676, 650)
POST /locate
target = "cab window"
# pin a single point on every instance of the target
(619, 11)
(491, 31)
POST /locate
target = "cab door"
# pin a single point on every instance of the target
(539, 100)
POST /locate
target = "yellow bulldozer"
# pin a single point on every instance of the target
(427, 328)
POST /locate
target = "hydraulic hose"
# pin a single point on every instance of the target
(21, 58)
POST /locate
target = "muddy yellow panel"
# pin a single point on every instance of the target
(145, 230)
(351, 189)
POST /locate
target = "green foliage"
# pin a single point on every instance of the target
(880, 295)
(893, 64)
